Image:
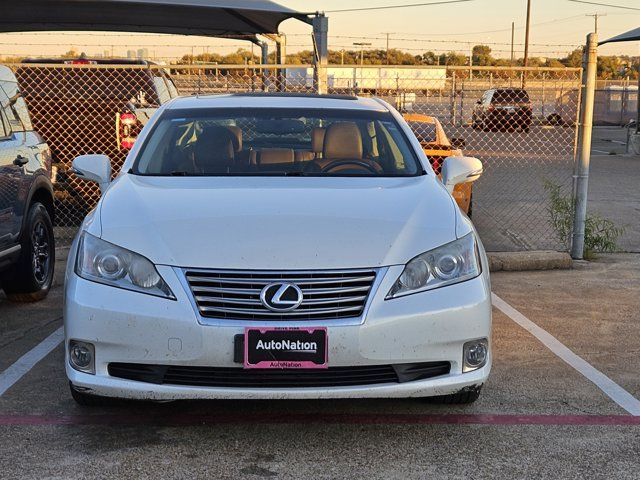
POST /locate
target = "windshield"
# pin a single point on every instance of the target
(276, 142)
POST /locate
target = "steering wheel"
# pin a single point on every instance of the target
(339, 163)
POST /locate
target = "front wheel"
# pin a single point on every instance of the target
(30, 279)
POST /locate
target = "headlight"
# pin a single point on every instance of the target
(451, 263)
(104, 262)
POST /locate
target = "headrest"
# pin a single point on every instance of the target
(213, 149)
(342, 140)
(237, 137)
(317, 139)
(272, 156)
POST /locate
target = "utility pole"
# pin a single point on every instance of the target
(526, 34)
(581, 173)
(595, 18)
(513, 32)
(387, 34)
(361, 45)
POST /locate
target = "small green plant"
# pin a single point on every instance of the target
(600, 234)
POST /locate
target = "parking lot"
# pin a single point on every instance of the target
(540, 415)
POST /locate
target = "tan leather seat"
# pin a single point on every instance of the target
(317, 144)
(343, 141)
(275, 156)
(242, 158)
(237, 137)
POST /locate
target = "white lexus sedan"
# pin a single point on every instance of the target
(277, 246)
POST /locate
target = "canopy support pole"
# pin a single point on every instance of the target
(321, 51)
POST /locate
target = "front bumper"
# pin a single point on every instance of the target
(130, 327)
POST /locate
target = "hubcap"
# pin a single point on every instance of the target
(41, 256)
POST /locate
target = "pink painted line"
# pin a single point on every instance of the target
(164, 419)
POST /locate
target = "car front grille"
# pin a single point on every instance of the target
(229, 377)
(229, 294)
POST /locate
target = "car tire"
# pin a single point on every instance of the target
(30, 279)
(465, 396)
(88, 400)
(526, 129)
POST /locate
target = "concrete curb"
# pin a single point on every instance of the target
(535, 260)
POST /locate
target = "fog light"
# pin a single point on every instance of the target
(475, 354)
(82, 356)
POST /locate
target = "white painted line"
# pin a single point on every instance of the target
(604, 383)
(600, 151)
(21, 367)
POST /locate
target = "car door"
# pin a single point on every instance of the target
(14, 155)
(9, 183)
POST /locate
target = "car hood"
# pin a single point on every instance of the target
(277, 222)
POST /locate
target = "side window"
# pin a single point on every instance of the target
(161, 88)
(4, 132)
(10, 98)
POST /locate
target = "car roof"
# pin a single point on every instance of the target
(279, 100)
(6, 75)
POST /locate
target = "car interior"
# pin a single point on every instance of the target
(273, 146)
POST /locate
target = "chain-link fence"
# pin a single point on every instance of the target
(520, 122)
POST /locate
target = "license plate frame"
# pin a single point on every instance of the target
(289, 348)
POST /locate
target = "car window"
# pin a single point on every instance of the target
(161, 88)
(277, 142)
(4, 130)
(12, 103)
(510, 96)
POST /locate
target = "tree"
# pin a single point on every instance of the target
(574, 59)
(482, 55)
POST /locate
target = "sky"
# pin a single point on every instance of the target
(557, 27)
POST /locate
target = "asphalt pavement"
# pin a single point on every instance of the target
(538, 416)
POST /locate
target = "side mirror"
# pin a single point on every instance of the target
(95, 168)
(458, 143)
(479, 102)
(457, 170)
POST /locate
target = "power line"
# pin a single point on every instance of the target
(606, 5)
(557, 20)
(406, 5)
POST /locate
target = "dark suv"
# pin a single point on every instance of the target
(27, 249)
(503, 109)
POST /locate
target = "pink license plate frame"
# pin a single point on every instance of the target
(280, 334)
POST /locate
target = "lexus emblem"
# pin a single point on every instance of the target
(281, 297)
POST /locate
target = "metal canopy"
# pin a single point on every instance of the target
(233, 18)
(629, 36)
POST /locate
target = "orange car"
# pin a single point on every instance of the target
(437, 147)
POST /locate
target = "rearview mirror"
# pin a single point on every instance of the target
(457, 170)
(95, 168)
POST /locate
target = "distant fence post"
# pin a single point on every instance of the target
(581, 174)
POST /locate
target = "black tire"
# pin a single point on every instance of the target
(88, 400)
(30, 279)
(463, 397)
(526, 129)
